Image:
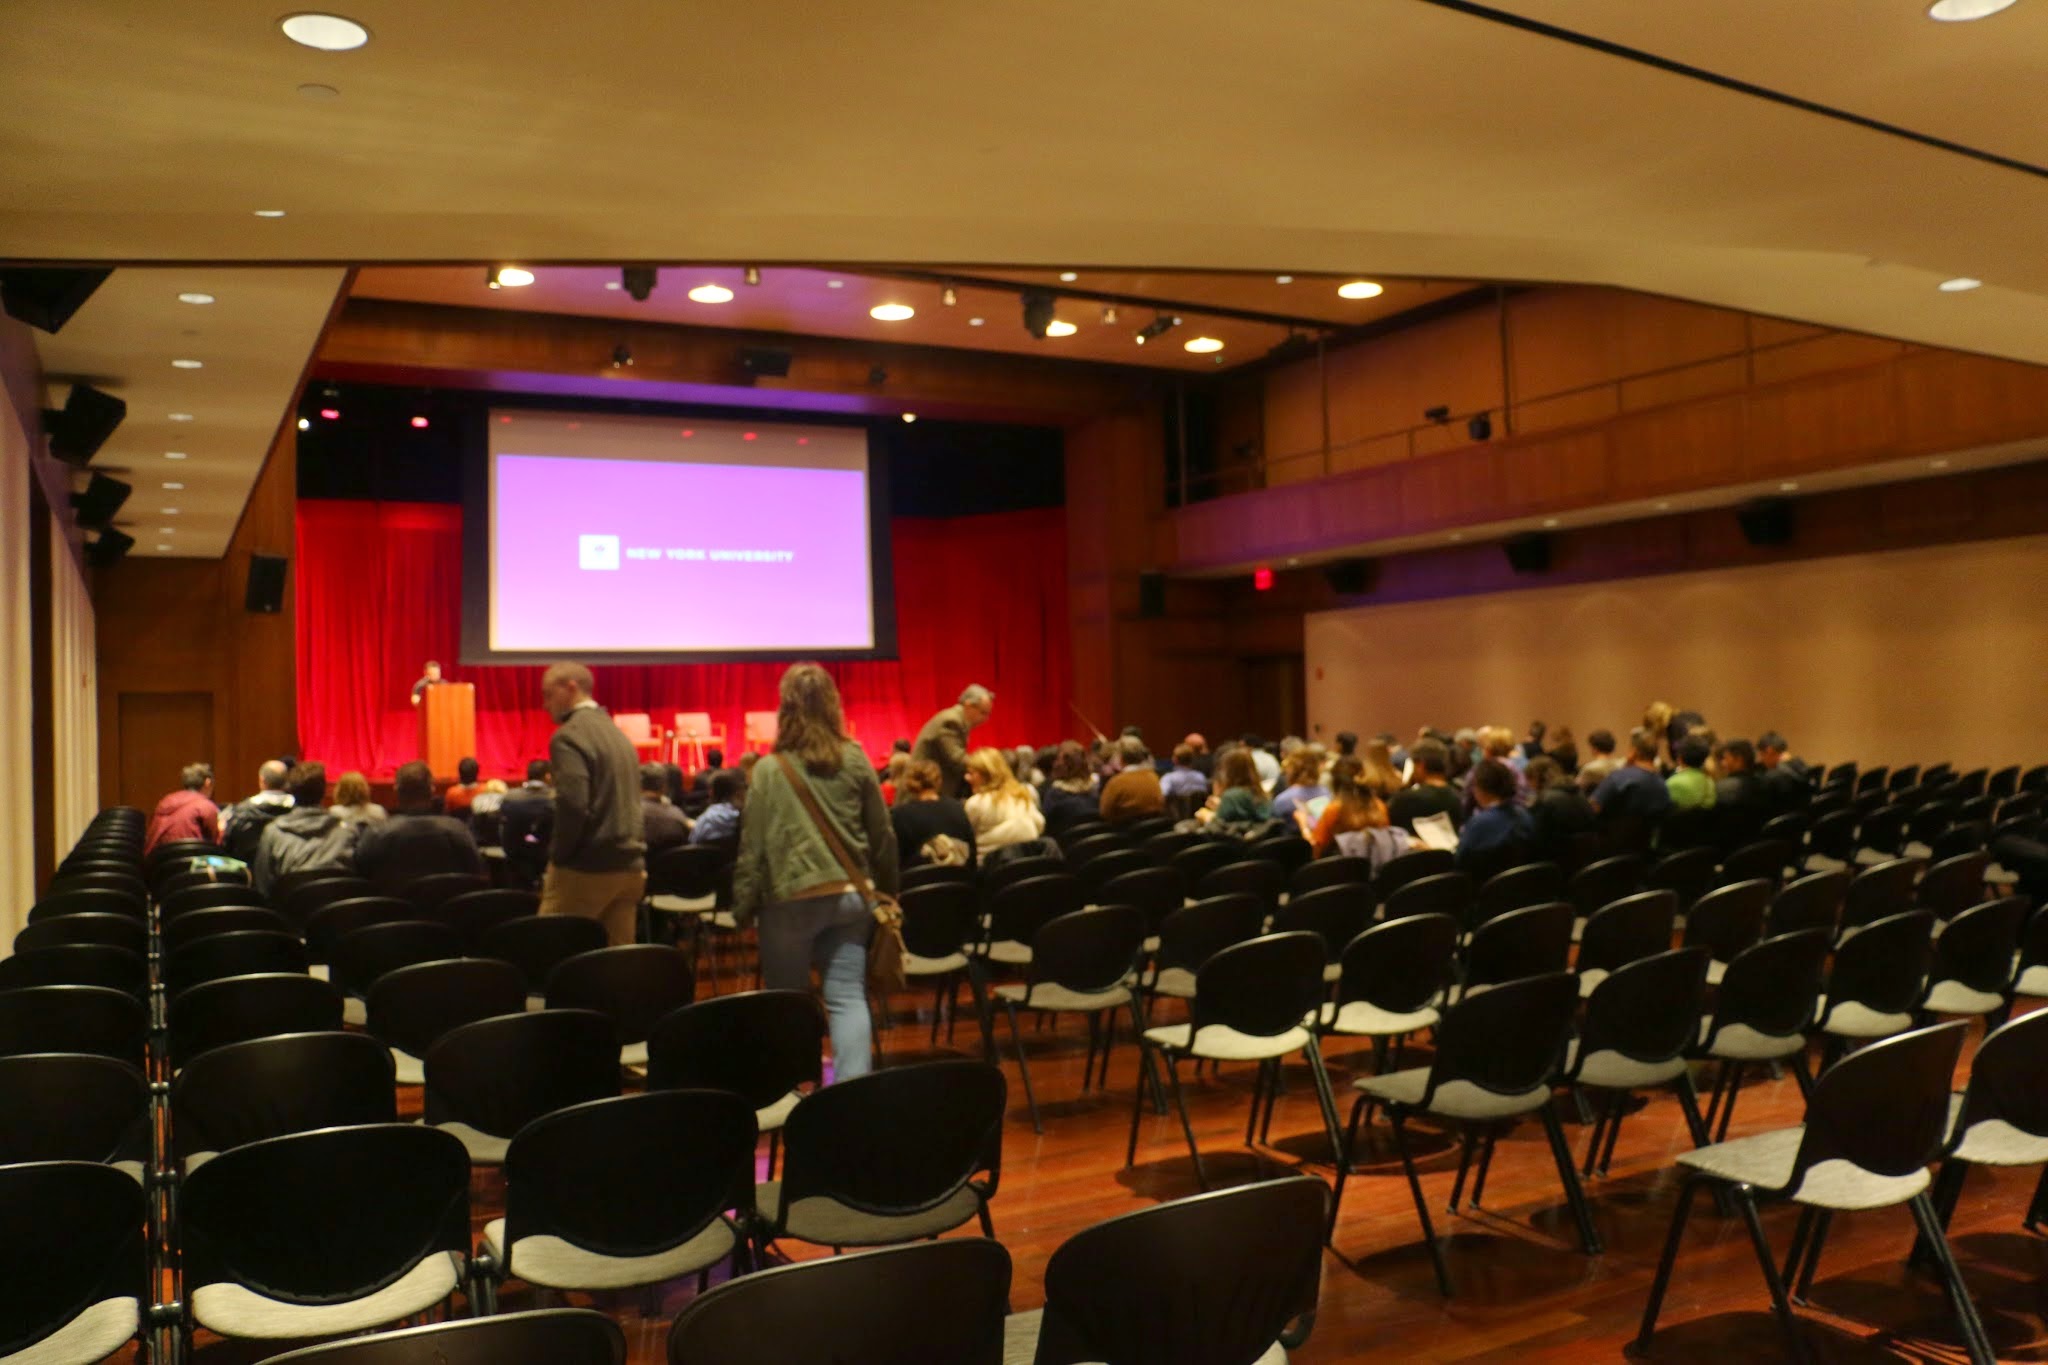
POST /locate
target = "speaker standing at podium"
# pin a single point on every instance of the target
(430, 677)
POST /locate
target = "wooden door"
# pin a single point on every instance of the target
(1274, 694)
(158, 734)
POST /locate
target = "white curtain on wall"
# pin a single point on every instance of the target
(74, 696)
(17, 746)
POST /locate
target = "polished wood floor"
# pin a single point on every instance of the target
(1525, 1292)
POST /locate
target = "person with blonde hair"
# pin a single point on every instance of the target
(1353, 807)
(352, 801)
(1376, 771)
(1003, 810)
(789, 877)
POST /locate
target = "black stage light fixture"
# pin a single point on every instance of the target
(108, 549)
(1528, 553)
(1157, 328)
(771, 362)
(1351, 577)
(82, 426)
(878, 375)
(1038, 310)
(1440, 413)
(1480, 428)
(1766, 521)
(95, 507)
(44, 297)
(622, 356)
(1293, 347)
(639, 281)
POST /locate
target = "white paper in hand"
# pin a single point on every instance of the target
(1435, 831)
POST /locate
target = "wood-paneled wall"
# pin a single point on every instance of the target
(177, 626)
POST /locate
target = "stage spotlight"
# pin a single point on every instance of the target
(1038, 310)
(622, 356)
(753, 275)
(507, 276)
(1157, 328)
(1480, 428)
(1440, 413)
(638, 281)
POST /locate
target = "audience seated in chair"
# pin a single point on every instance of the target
(417, 841)
(526, 821)
(1430, 792)
(1352, 808)
(187, 813)
(664, 824)
(1303, 772)
(458, 798)
(241, 829)
(1690, 788)
(1635, 791)
(720, 822)
(1498, 832)
(352, 801)
(1004, 811)
(931, 829)
(307, 836)
(1136, 793)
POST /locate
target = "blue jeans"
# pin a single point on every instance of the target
(830, 932)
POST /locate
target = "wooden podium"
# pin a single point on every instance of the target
(447, 726)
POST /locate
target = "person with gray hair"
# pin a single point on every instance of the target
(241, 831)
(1134, 793)
(187, 813)
(943, 740)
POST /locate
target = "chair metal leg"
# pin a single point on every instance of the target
(1108, 1043)
(1465, 1141)
(2037, 1208)
(1795, 1254)
(1485, 1165)
(1714, 1096)
(1781, 1307)
(1802, 1072)
(1327, 1098)
(1436, 1254)
(938, 1000)
(1024, 1067)
(1261, 1077)
(1180, 1102)
(1614, 1130)
(1679, 1214)
(1138, 1099)
(1728, 1103)
(1602, 1116)
(1689, 1105)
(1275, 1081)
(1344, 1167)
(1148, 1078)
(1094, 1042)
(983, 1010)
(1574, 1195)
(1975, 1339)
(1804, 1285)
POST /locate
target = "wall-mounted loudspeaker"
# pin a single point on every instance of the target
(83, 424)
(1151, 595)
(46, 298)
(771, 361)
(1351, 577)
(266, 583)
(108, 549)
(1767, 521)
(95, 507)
(1528, 553)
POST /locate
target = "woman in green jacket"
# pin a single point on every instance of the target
(1240, 796)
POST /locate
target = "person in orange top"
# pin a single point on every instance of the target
(1352, 807)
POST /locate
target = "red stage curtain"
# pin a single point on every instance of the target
(379, 590)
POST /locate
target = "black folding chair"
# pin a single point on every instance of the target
(117, 969)
(1604, 882)
(636, 984)
(537, 944)
(1410, 867)
(291, 1083)
(1642, 1020)
(115, 931)
(75, 1275)
(237, 1008)
(1690, 872)
(1082, 963)
(74, 1106)
(1335, 870)
(1874, 989)
(429, 893)
(409, 1009)
(1392, 981)
(472, 914)
(94, 1019)
(1726, 920)
(1258, 877)
(548, 1336)
(1878, 891)
(245, 952)
(1517, 888)
(1533, 941)
(487, 1080)
(1440, 893)
(226, 920)
(1190, 937)
(764, 1046)
(1811, 902)
(1633, 928)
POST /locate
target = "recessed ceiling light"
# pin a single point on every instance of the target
(305, 423)
(892, 312)
(1549, 523)
(184, 364)
(331, 414)
(1283, 279)
(711, 293)
(976, 322)
(1457, 536)
(1060, 327)
(1068, 276)
(163, 547)
(613, 284)
(195, 297)
(1202, 345)
(1359, 289)
(167, 530)
(1938, 462)
(1961, 284)
(910, 417)
(326, 32)
(1293, 563)
(509, 277)
(179, 416)
(168, 511)
(1962, 11)
(174, 487)
(174, 454)
(269, 213)
(1789, 486)
(835, 284)
(1663, 507)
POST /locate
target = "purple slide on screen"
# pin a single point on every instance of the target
(595, 554)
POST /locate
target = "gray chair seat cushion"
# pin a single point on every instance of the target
(1870, 857)
(558, 1264)
(355, 1013)
(1766, 1161)
(1050, 995)
(319, 969)
(1177, 982)
(1590, 979)
(1852, 1019)
(1225, 1044)
(102, 1329)
(1151, 943)
(913, 965)
(775, 1115)
(634, 1054)
(683, 905)
(1010, 951)
(827, 1222)
(1994, 1142)
(1914, 848)
(1363, 1019)
(1994, 875)
(1742, 1043)
(236, 1311)
(1020, 1341)
(2033, 981)
(1332, 972)
(483, 1148)
(1821, 862)
(1717, 972)
(1453, 1099)
(1611, 1070)
(407, 1069)
(1953, 997)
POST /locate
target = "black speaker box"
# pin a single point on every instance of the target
(88, 418)
(1767, 521)
(1350, 577)
(769, 361)
(108, 549)
(1528, 553)
(45, 297)
(95, 507)
(266, 583)
(1151, 594)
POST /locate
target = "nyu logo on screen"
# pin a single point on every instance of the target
(597, 552)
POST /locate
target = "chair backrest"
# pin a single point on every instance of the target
(1953, 885)
(429, 893)
(244, 952)
(692, 871)
(362, 956)
(1507, 1040)
(85, 1248)
(1883, 1108)
(1195, 933)
(1402, 964)
(499, 1074)
(546, 1336)
(1251, 876)
(71, 1106)
(88, 901)
(1017, 911)
(1648, 1010)
(1336, 870)
(1790, 828)
(1289, 850)
(2009, 1077)
(536, 945)
(937, 874)
(637, 984)
(851, 1141)
(410, 1008)
(94, 1019)
(1197, 861)
(1411, 866)
(1630, 929)
(1885, 966)
(207, 896)
(234, 1009)
(1876, 892)
(1087, 950)
(1440, 893)
(1104, 868)
(672, 1162)
(1834, 835)
(99, 877)
(383, 1196)
(934, 1301)
(1689, 872)
(1979, 945)
(1162, 847)
(637, 726)
(1533, 941)
(1214, 1279)
(1335, 914)
(1931, 819)
(1517, 888)
(116, 931)
(320, 890)
(325, 926)
(1729, 918)
(1811, 902)
(290, 1083)
(1083, 851)
(475, 913)
(1696, 827)
(1766, 859)
(1883, 829)
(81, 964)
(996, 876)
(759, 1045)
(1154, 892)
(1264, 986)
(1141, 830)
(939, 916)
(1605, 882)
(227, 919)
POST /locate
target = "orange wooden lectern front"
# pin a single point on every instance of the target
(447, 726)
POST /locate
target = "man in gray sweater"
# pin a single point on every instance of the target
(596, 863)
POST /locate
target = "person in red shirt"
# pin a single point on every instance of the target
(456, 800)
(187, 813)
